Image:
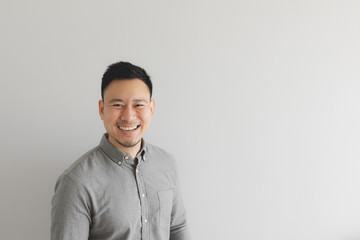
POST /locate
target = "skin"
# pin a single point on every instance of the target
(127, 104)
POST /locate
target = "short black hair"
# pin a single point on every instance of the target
(124, 71)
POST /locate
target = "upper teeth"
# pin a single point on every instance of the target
(128, 128)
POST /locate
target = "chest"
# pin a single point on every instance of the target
(130, 198)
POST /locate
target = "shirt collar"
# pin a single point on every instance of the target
(117, 155)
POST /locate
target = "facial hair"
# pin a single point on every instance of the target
(129, 145)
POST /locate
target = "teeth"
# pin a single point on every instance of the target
(128, 128)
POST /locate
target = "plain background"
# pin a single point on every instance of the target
(258, 101)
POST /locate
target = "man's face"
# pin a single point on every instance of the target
(126, 111)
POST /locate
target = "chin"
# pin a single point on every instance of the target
(128, 144)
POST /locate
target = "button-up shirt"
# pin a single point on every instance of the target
(105, 195)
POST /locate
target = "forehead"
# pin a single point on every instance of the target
(127, 89)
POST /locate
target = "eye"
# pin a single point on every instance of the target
(139, 105)
(117, 105)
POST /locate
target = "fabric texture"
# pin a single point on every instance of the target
(104, 195)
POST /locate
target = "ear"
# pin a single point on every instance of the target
(101, 109)
(152, 106)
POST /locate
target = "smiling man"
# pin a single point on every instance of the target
(125, 188)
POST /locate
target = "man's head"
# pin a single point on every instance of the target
(124, 70)
(126, 106)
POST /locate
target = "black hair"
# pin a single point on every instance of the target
(123, 71)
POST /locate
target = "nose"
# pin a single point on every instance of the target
(128, 114)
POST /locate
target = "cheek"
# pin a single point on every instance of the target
(146, 117)
(110, 116)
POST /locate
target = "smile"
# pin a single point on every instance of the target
(128, 128)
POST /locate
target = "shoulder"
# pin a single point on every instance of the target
(158, 151)
(160, 159)
(85, 166)
(159, 154)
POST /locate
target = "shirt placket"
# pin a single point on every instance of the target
(143, 202)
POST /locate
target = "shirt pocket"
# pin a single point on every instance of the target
(165, 202)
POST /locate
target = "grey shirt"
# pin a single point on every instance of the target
(104, 195)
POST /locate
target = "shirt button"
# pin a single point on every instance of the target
(145, 220)
(137, 170)
(143, 195)
(119, 162)
(126, 157)
(144, 157)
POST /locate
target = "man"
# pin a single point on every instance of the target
(125, 188)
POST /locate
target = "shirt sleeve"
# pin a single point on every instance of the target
(70, 213)
(178, 228)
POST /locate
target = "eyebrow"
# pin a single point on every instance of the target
(116, 100)
(121, 100)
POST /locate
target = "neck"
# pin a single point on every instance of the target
(131, 151)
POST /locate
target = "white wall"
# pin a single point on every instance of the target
(258, 100)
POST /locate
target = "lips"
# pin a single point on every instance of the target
(128, 128)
